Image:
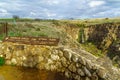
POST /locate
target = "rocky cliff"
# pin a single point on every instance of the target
(106, 37)
(69, 57)
(75, 63)
(103, 35)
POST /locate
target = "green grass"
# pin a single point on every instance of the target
(88, 22)
(2, 36)
(36, 29)
(90, 47)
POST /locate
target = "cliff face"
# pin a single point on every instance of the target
(106, 37)
(103, 35)
(71, 29)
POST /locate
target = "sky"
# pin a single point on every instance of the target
(60, 9)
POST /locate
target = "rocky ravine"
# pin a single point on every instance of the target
(76, 63)
(107, 38)
(68, 57)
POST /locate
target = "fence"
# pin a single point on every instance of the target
(4, 28)
(26, 40)
(33, 40)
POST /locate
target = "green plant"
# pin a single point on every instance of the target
(90, 47)
(2, 36)
(2, 61)
(14, 33)
(81, 36)
(42, 35)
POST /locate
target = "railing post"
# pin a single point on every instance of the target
(6, 29)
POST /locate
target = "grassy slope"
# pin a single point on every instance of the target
(45, 28)
(93, 21)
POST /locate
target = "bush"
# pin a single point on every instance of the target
(15, 17)
(2, 61)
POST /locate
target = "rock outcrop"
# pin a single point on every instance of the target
(103, 35)
(76, 64)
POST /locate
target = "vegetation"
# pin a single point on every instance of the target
(93, 21)
(44, 28)
(2, 61)
(2, 36)
(90, 47)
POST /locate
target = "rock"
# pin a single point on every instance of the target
(17, 54)
(25, 65)
(40, 58)
(80, 72)
(82, 61)
(64, 62)
(8, 62)
(49, 62)
(68, 74)
(30, 58)
(36, 58)
(74, 58)
(94, 76)
(87, 78)
(60, 53)
(42, 66)
(13, 61)
(19, 47)
(54, 57)
(87, 72)
(53, 67)
(89, 64)
(101, 72)
(72, 68)
(78, 65)
(30, 64)
(67, 55)
(47, 67)
(95, 67)
(59, 66)
(77, 77)
(55, 52)
(8, 55)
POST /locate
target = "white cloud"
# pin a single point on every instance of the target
(96, 3)
(60, 8)
(48, 13)
(3, 11)
(32, 13)
(51, 2)
(51, 14)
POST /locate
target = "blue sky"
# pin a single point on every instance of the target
(60, 9)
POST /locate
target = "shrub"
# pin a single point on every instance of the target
(2, 61)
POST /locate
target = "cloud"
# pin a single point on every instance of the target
(3, 11)
(52, 2)
(96, 3)
(32, 13)
(58, 9)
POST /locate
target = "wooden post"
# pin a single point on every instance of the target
(5, 29)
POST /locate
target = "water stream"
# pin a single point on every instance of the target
(21, 73)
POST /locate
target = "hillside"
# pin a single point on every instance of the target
(97, 41)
